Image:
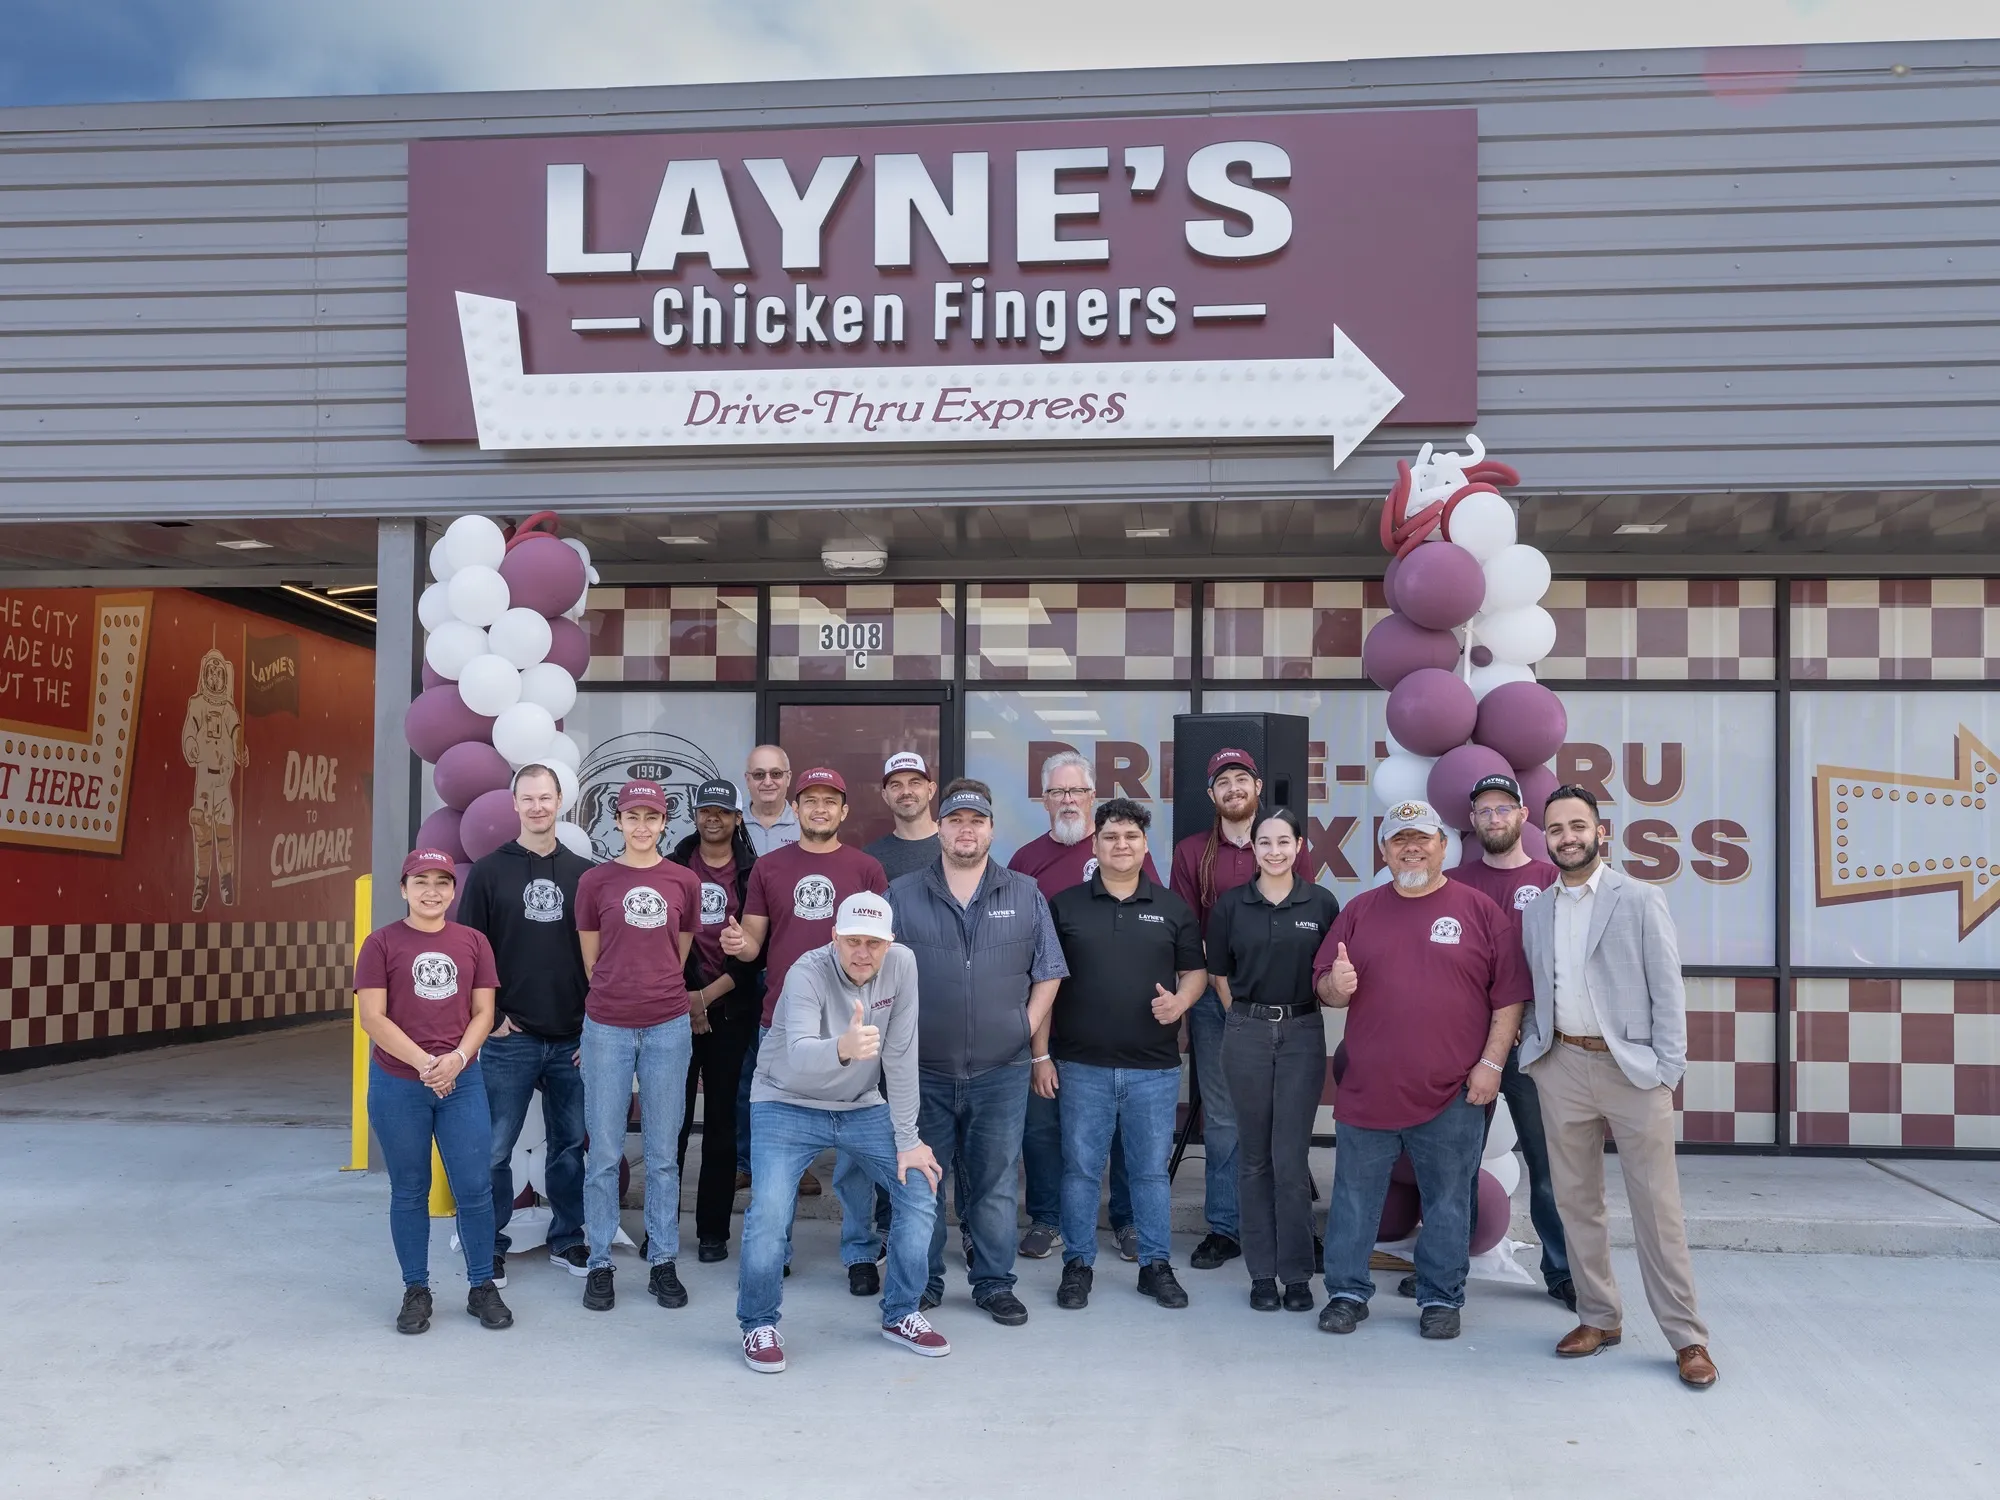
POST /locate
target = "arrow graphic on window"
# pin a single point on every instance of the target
(1878, 835)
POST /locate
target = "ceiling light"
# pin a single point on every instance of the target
(685, 541)
(350, 589)
(244, 544)
(863, 557)
(325, 603)
(1641, 528)
(1147, 533)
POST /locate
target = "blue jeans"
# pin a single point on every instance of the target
(514, 1065)
(1445, 1152)
(1140, 1104)
(611, 1056)
(1525, 1105)
(1042, 1167)
(783, 1142)
(407, 1117)
(860, 1240)
(1218, 1116)
(974, 1125)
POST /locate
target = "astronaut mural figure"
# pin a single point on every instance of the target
(212, 744)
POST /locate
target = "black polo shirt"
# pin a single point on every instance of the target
(1117, 951)
(1265, 951)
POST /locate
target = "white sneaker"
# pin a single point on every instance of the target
(915, 1334)
(764, 1350)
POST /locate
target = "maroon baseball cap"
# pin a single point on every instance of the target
(642, 794)
(1222, 760)
(429, 859)
(819, 776)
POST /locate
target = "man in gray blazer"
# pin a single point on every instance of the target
(1606, 1043)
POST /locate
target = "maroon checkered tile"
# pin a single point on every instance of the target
(1896, 1062)
(1895, 629)
(1662, 630)
(683, 633)
(1063, 632)
(1288, 630)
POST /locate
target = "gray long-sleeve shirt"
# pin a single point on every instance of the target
(799, 1062)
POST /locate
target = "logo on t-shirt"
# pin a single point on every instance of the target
(1089, 869)
(1152, 916)
(434, 975)
(1003, 912)
(1523, 894)
(812, 899)
(714, 904)
(541, 901)
(1307, 926)
(1445, 930)
(645, 907)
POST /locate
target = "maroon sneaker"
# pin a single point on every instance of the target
(915, 1334)
(764, 1350)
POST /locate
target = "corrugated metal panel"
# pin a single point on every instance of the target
(201, 304)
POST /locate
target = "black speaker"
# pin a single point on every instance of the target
(1277, 742)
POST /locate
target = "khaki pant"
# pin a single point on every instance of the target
(1581, 1093)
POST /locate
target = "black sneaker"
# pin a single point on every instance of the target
(929, 1300)
(1157, 1281)
(1213, 1251)
(598, 1295)
(484, 1303)
(863, 1280)
(1564, 1291)
(1407, 1287)
(575, 1260)
(415, 1315)
(1006, 1309)
(1264, 1294)
(709, 1251)
(1438, 1323)
(666, 1286)
(499, 1269)
(1075, 1289)
(1341, 1315)
(1298, 1296)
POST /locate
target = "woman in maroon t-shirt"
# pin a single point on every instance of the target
(635, 921)
(425, 989)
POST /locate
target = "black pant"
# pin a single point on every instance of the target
(717, 1062)
(1276, 1072)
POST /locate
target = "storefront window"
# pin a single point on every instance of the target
(677, 739)
(862, 632)
(1895, 629)
(685, 633)
(1266, 631)
(1070, 632)
(1896, 1062)
(1662, 630)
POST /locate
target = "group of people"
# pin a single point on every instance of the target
(958, 1029)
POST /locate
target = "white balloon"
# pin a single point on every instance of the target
(590, 575)
(1485, 679)
(1521, 636)
(452, 645)
(575, 840)
(578, 548)
(1500, 1133)
(563, 748)
(552, 687)
(478, 594)
(522, 636)
(566, 779)
(489, 684)
(434, 607)
(1506, 1170)
(1516, 576)
(1454, 851)
(1403, 778)
(474, 541)
(440, 560)
(522, 733)
(1483, 524)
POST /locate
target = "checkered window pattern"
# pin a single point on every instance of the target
(686, 633)
(862, 632)
(1662, 630)
(1282, 631)
(84, 983)
(1896, 629)
(1063, 632)
(1896, 1062)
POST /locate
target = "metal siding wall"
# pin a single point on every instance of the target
(201, 305)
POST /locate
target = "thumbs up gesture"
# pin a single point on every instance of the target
(1167, 1007)
(734, 940)
(1343, 976)
(860, 1041)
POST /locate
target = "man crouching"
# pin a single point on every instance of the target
(839, 1068)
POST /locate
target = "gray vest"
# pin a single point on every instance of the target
(973, 966)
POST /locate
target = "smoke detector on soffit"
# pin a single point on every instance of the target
(853, 558)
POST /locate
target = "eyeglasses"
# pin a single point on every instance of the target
(1495, 814)
(1068, 793)
(768, 775)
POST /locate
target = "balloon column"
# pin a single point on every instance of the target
(502, 655)
(1457, 652)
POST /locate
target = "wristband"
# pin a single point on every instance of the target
(1043, 1058)
(1484, 1063)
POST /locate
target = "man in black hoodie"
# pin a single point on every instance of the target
(523, 897)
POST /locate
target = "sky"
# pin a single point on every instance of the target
(81, 51)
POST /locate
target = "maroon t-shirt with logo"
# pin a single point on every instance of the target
(1510, 890)
(1056, 867)
(800, 891)
(430, 977)
(719, 903)
(1433, 969)
(639, 916)
(1235, 864)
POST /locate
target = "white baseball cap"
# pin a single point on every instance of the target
(865, 914)
(905, 760)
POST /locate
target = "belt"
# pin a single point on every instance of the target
(1588, 1043)
(1258, 1012)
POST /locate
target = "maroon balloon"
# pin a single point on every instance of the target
(432, 677)
(1457, 772)
(1402, 1208)
(439, 719)
(1482, 656)
(441, 831)
(1395, 648)
(1495, 1214)
(569, 647)
(1537, 782)
(543, 575)
(1431, 710)
(1389, 582)
(1440, 586)
(1524, 721)
(489, 822)
(1404, 1170)
(1532, 841)
(469, 770)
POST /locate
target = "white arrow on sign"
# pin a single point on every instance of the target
(1878, 835)
(1342, 398)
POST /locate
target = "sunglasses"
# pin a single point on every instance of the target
(769, 775)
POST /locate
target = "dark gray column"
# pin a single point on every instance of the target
(400, 548)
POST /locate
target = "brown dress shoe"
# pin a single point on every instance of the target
(1583, 1339)
(809, 1186)
(1697, 1369)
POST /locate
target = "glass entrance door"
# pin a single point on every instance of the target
(855, 737)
